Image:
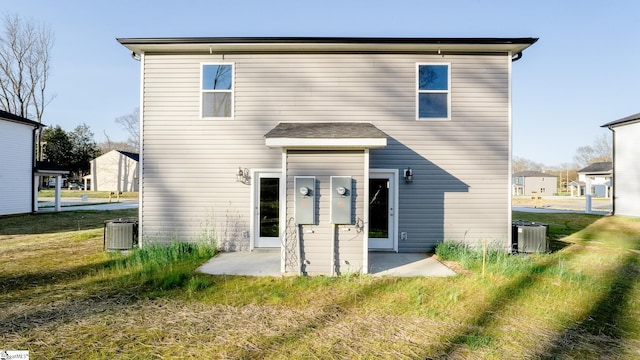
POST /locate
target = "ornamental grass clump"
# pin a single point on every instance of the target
(160, 266)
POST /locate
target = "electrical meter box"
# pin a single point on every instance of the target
(341, 199)
(305, 199)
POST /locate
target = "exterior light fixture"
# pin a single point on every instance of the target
(243, 176)
(408, 175)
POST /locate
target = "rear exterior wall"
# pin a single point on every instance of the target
(626, 170)
(461, 166)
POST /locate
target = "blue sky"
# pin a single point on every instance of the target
(583, 72)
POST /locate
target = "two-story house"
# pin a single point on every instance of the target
(326, 148)
(594, 179)
(534, 182)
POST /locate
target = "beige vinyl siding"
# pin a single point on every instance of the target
(627, 170)
(114, 171)
(315, 240)
(460, 165)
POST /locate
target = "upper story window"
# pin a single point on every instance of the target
(434, 91)
(217, 90)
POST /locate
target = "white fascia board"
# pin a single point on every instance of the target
(361, 143)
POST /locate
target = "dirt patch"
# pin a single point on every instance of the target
(454, 265)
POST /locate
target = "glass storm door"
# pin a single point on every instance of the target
(267, 211)
(381, 200)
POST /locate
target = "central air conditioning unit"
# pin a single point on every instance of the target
(120, 234)
(529, 237)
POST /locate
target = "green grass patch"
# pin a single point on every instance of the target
(159, 267)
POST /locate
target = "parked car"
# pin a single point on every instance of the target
(76, 186)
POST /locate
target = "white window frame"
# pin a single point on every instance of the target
(448, 91)
(231, 91)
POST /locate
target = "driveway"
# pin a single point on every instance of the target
(73, 204)
(558, 204)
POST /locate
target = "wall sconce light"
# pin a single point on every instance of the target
(408, 175)
(243, 176)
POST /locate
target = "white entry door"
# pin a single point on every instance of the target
(267, 210)
(382, 202)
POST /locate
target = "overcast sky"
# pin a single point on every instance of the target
(583, 72)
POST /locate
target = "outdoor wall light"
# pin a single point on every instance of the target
(408, 175)
(243, 176)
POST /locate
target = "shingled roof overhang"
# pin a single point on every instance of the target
(624, 121)
(19, 119)
(347, 135)
(219, 45)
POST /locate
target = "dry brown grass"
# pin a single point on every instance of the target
(61, 299)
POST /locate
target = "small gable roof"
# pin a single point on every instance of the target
(532, 174)
(624, 121)
(4, 115)
(598, 167)
(330, 134)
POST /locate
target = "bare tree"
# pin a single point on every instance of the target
(519, 164)
(25, 48)
(107, 146)
(600, 151)
(131, 123)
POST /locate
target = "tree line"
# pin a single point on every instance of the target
(75, 149)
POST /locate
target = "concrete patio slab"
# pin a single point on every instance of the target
(267, 263)
(406, 265)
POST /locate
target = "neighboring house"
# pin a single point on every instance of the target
(626, 167)
(326, 148)
(530, 182)
(20, 173)
(17, 182)
(114, 171)
(596, 177)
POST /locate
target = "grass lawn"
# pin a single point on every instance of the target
(63, 297)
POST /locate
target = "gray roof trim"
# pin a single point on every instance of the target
(604, 167)
(624, 121)
(323, 135)
(18, 119)
(533, 174)
(325, 44)
(44, 168)
(132, 156)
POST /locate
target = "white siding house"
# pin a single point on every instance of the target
(17, 138)
(594, 179)
(326, 148)
(115, 171)
(626, 167)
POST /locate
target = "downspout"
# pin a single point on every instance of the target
(33, 172)
(517, 57)
(613, 171)
(141, 240)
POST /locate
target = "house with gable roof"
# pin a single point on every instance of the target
(326, 149)
(21, 173)
(626, 167)
(115, 170)
(594, 179)
(534, 182)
